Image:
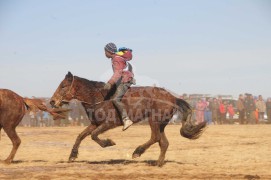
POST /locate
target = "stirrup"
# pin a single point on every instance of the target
(126, 123)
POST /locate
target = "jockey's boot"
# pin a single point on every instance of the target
(126, 123)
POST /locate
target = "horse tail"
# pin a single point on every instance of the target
(27, 107)
(38, 104)
(189, 129)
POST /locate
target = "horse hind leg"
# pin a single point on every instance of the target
(155, 137)
(163, 143)
(16, 141)
(142, 148)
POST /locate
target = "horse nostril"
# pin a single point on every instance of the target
(52, 102)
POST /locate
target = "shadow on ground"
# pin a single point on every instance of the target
(121, 161)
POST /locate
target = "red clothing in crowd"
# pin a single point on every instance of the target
(222, 108)
(119, 65)
(231, 110)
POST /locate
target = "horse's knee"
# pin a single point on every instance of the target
(156, 139)
(16, 142)
(164, 145)
(79, 137)
(19, 142)
(94, 137)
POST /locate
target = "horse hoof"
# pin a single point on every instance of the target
(159, 163)
(6, 162)
(136, 156)
(111, 143)
(72, 159)
(108, 143)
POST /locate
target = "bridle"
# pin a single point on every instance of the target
(68, 93)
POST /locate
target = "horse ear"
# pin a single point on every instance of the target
(69, 75)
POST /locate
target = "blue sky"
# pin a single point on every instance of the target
(213, 47)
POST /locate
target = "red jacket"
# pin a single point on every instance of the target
(231, 110)
(119, 65)
(222, 108)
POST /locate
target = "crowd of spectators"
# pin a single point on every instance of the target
(247, 109)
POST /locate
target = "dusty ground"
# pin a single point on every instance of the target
(223, 152)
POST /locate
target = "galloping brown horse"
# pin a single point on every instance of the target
(152, 103)
(12, 110)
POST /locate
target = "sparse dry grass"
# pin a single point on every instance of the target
(223, 152)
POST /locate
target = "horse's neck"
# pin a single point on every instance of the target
(89, 92)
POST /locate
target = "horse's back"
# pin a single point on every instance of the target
(7, 95)
(150, 92)
(12, 107)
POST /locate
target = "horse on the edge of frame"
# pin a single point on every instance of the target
(12, 110)
(152, 103)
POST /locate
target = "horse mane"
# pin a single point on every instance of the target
(91, 84)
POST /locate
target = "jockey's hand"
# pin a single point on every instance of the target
(107, 86)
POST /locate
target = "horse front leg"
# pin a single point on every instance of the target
(80, 137)
(99, 130)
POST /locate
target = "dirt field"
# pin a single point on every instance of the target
(223, 152)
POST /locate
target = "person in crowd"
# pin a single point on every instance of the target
(193, 104)
(83, 120)
(215, 111)
(251, 108)
(223, 111)
(241, 109)
(231, 112)
(208, 111)
(33, 119)
(261, 106)
(246, 104)
(45, 116)
(26, 120)
(256, 112)
(40, 121)
(256, 115)
(205, 104)
(268, 110)
(219, 114)
(74, 113)
(200, 111)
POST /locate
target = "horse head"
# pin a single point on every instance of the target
(64, 93)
